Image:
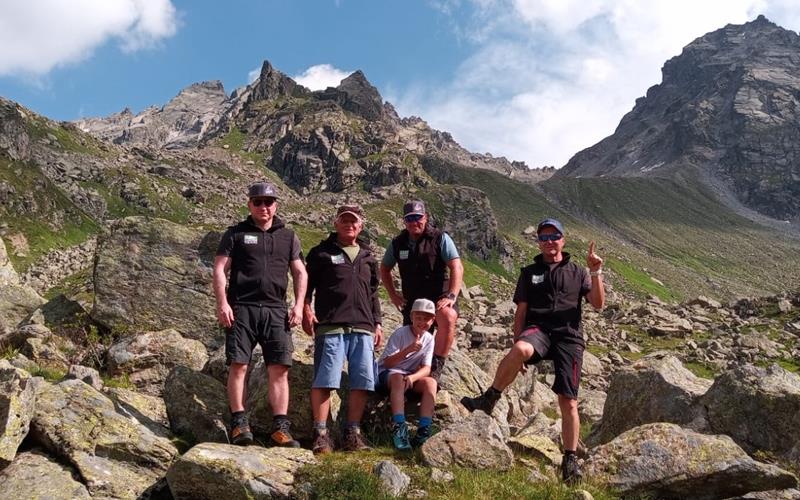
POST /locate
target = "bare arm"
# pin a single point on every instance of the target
(456, 278)
(394, 359)
(300, 280)
(388, 283)
(222, 265)
(597, 295)
(519, 318)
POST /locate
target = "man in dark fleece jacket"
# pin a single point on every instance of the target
(346, 324)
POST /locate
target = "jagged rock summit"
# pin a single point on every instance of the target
(727, 111)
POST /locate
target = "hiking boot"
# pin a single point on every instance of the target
(240, 432)
(423, 433)
(353, 440)
(281, 435)
(570, 470)
(483, 402)
(322, 443)
(400, 436)
(437, 365)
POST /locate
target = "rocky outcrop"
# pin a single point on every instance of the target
(475, 442)
(17, 402)
(665, 461)
(152, 274)
(758, 407)
(14, 138)
(150, 411)
(147, 359)
(212, 471)
(115, 455)
(652, 390)
(272, 84)
(356, 95)
(17, 301)
(181, 123)
(35, 475)
(727, 107)
(197, 406)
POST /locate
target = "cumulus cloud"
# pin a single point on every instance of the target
(39, 35)
(321, 76)
(547, 78)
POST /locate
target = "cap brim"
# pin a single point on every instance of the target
(357, 216)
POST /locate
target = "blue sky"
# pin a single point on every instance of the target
(532, 80)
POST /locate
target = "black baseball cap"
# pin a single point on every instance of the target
(413, 207)
(550, 222)
(262, 190)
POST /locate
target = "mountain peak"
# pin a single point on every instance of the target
(357, 95)
(272, 84)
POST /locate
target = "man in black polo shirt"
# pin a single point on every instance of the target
(547, 325)
(430, 268)
(259, 252)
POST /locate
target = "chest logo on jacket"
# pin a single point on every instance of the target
(403, 254)
(537, 278)
(337, 259)
(250, 239)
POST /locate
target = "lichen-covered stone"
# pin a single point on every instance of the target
(153, 274)
(146, 359)
(116, 455)
(475, 442)
(34, 476)
(663, 460)
(197, 405)
(150, 411)
(17, 403)
(652, 390)
(213, 471)
(758, 407)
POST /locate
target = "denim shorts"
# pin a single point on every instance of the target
(330, 352)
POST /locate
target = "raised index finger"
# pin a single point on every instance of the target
(591, 247)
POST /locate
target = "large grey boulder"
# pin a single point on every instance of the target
(147, 359)
(651, 390)
(663, 460)
(475, 442)
(150, 411)
(213, 471)
(33, 476)
(197, 405)
(17, 301)
(153, 274)
(17, 404)
(115, 455)
(758, 407)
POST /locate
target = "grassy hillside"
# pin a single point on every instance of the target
(658, 237)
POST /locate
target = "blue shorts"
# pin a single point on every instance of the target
(331, 351)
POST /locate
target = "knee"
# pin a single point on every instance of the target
(446, 318)
(522, 351)
(567, 404)
(278, 372)
(237, 370)
(396, 381)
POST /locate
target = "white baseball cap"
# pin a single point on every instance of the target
(424, 305)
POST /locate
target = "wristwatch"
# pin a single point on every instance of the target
(451, 296)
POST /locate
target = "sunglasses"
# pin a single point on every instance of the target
(267, 202)
(413, 218)
(550, 237)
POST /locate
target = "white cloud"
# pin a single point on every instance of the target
(548, 78)
(39, 35)
(253, 74)
(321, 76)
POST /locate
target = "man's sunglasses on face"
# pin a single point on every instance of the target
(413, 217)
(550, 237)
(268, 202)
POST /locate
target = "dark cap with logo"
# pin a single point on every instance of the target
(351, 209)
(550, 222)
(262, 190)
(413, 207)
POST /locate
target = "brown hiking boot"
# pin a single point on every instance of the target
(240, 432)
(354, 440)
(281, 436)
(322, 443)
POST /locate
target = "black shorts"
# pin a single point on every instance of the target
(407, 312)
(269, 326)
(566, 353)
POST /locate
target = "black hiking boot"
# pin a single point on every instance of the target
(485, 401)
(240, 431)
(437, 366)
(570, 470)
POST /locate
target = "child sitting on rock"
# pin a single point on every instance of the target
(405, 366)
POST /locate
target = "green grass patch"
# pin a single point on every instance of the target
(701, 370)
(68, 136)
(639, 281)
(9, 352)
(48, 373)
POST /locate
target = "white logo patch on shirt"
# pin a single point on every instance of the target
(403, 254)
(250, 239)
(537, 278)
(337, 259)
